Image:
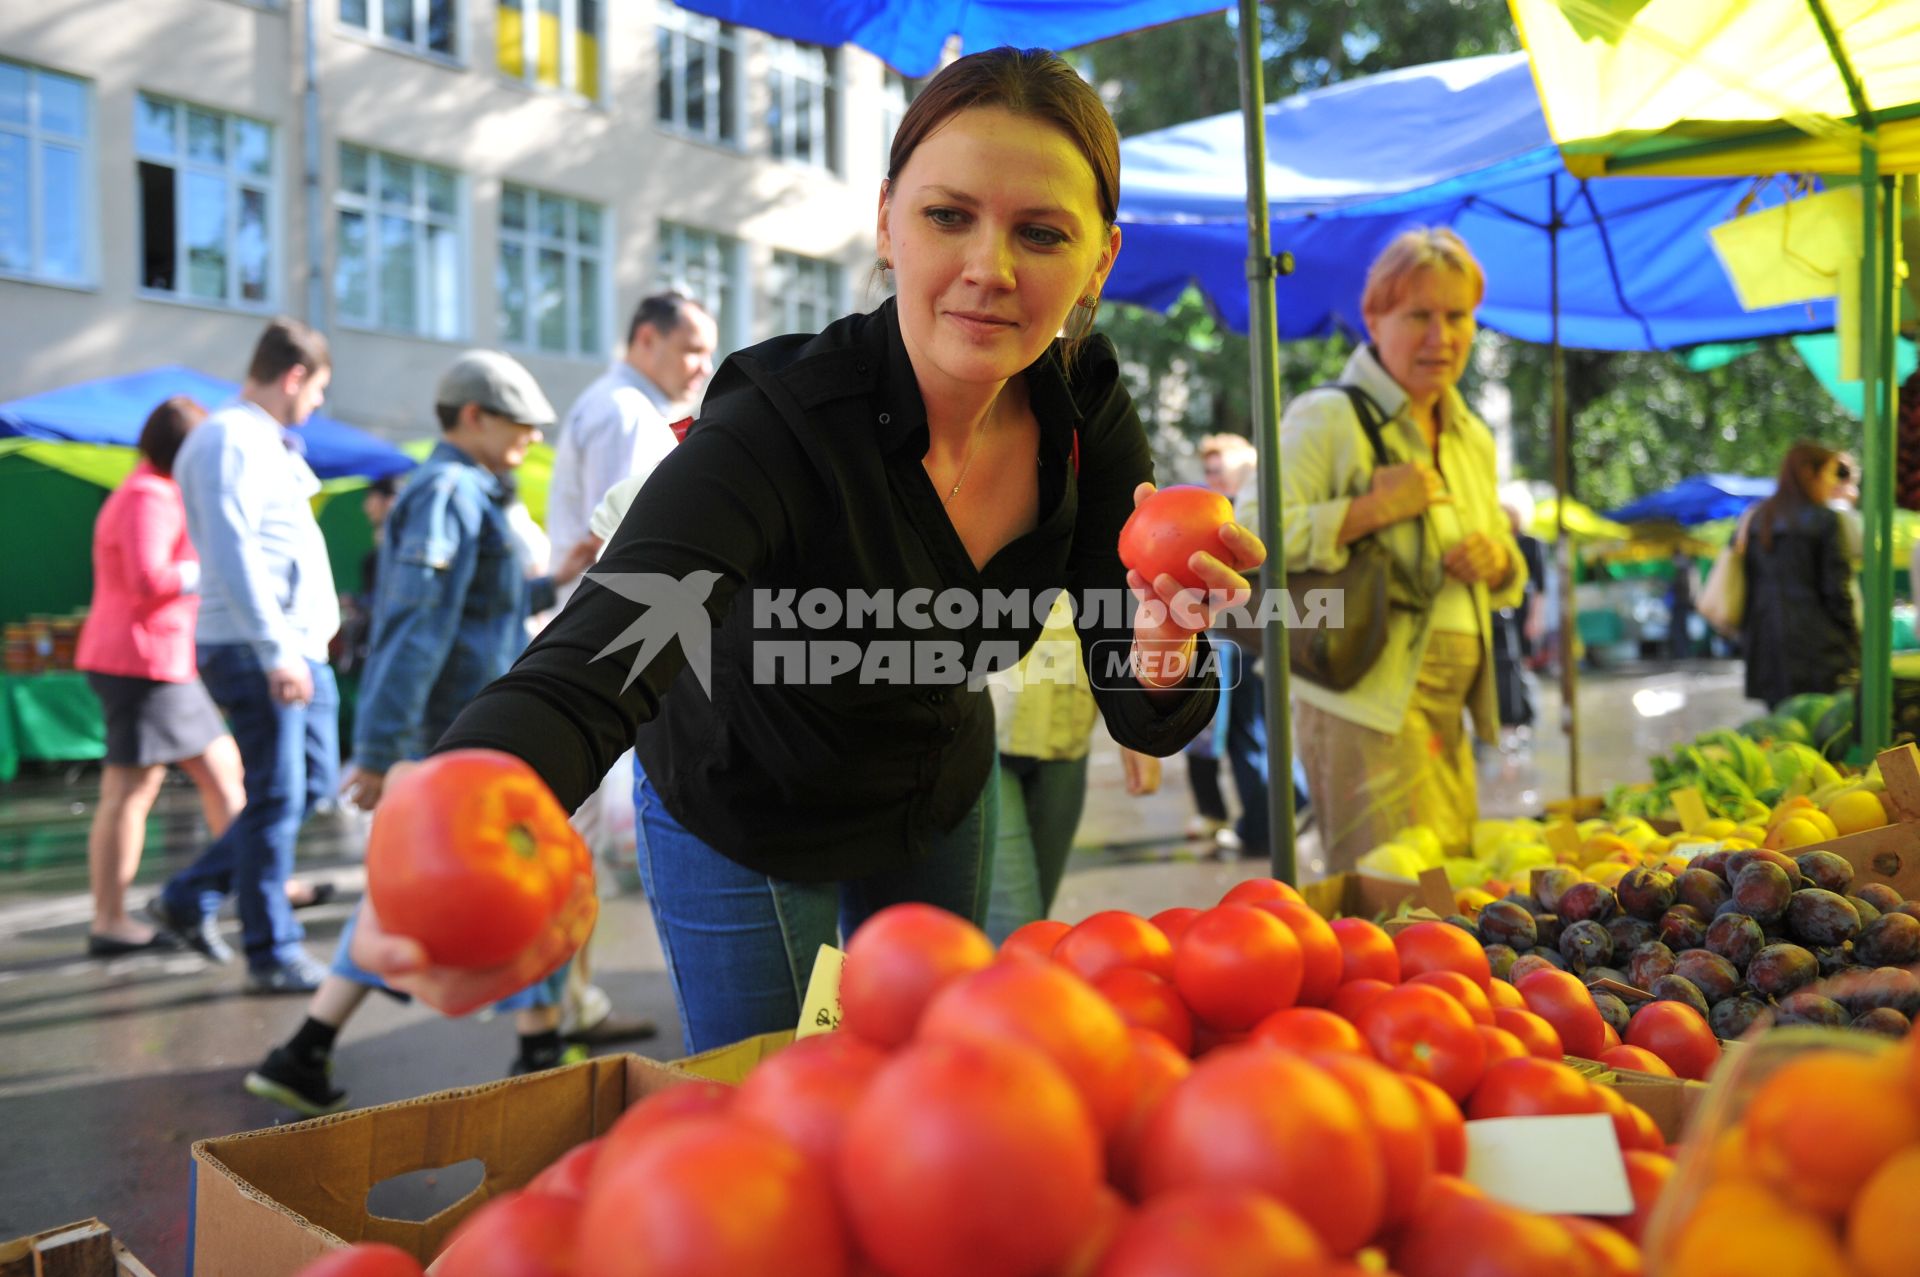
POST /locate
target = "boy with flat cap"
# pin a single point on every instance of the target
(449, 616)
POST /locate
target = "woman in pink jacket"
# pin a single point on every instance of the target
(137, 649)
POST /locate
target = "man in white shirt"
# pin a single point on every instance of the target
(619, 426)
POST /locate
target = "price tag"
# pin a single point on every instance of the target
(1691, 808)
(820, 1013)
(1553, 1165)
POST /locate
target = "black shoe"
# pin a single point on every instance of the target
(202, 935)
(610, 1028)
(305, 1088)
(299, 975)
(113, 947)
(322, 892)
(572, 1055)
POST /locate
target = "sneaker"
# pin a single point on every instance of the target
(301, 974)
(592, 1021)
(572, 1055)
(1227, 841)
(202, 934)
(305, 1088)
(1204, 829)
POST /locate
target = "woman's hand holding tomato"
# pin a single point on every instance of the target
(1172, 610)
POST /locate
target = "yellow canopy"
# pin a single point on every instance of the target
(1725, 87)
(1582, 522)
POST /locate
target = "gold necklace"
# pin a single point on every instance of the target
(964, 467)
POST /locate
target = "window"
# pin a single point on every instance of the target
(705, 267)
(45, 205)
(699, 75)
(805, 292)
(426, 25)
(398, 259)
(803, 108)
(553, 44)
(206, 203)
(551, 274)
(895, 94)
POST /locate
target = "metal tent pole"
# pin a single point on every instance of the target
(1876, 491)
(1563, 492)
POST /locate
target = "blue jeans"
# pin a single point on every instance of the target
(292, 758)
(740, 945)
(1040, 805)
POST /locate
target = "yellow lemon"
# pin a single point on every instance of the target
(1737, 843)
(1751, 833)
(1797, 831)
(1821, 821)
(1852, 812)
(1718, 827)
(1656, 847)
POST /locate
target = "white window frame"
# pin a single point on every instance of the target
(530, 242)
(37, 139)
(376, 31)
(236, 179)
(569, 49)
(791, 63)
(797, 278)
(372, 208)
(680, 248)
(680, 26)
(894, 100)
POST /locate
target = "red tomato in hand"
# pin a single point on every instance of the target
(1441, 946)
(367, 1259)
(968, 1157)
(1320, 961)
(1166, 530)
(1145, 1001)
(1220, 1231)
(1561, 1000)
(1526, 1087)
(1035, 939)
(1420, 1030)
(1541, 1039)
(897, 961)
(471, 854)
(1309, 1029)
(1675, 1032)
(1113, 939)
(1236, 965)
(1366, 952)
(518, 1235)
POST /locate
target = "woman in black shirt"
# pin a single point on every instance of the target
(1798, 633)
(861, 523)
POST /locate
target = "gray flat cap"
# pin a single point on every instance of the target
(498, 383)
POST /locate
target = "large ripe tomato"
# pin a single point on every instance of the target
(1675, 1032)
(1540, 1038)
(1113, 939)
(518, 1235)
(807, 1092)
(1219, 1231)
(713, 1195)
(471, 854)
(1626, 1117)
(1608, 1253)
(1173, 923)
(1400, 1126)
(1166, 530)
(1153, 1069)
(636, 1127)
(1252, 891)
(1035, 939)
(1447, 1123)
(1647, 1175)
(897, 961)
(1526, 1087)
(1236, 965)
(1420, 1030)
(1320, 961)
(1110, 1215)
(1145, 1001)
(968, 1157)
(570, 1173)
(1501, 1045)
(1310, 1029)
(1441, 946)
(1461, 989)
(1561, 1000)
(366, 1259)
(1501, 993)
(1046, 1007)
(1488, 1239)
(1353, 997)
(1256, 1117)
(1636, 1059)
(1366, 952)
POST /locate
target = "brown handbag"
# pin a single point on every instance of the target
(1372, 584)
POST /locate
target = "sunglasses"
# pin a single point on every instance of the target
(1843, 472)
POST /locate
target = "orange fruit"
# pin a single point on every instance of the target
(1740, 1230)
(1821, 1126)
(1881, 1241)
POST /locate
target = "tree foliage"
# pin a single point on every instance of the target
(1640, 421)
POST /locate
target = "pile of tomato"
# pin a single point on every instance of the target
(1245, 1089)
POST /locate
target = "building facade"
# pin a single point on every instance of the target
(453, 173)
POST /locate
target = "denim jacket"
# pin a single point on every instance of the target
(449, 611)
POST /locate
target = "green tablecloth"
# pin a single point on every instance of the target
(52, 717)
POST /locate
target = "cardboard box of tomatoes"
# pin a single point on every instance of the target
(268, 1202)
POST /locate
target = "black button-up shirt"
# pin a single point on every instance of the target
(803, 475)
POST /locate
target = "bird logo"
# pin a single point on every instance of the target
(671, 607)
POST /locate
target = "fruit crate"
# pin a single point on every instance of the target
(85, 1249)
(1891, 853)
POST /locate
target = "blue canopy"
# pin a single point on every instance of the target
(113, 409)
(1701, 499)
(908, 35)
(1461, 144)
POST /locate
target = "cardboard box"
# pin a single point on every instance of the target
(268, 1202)
(1670, 1102)
(85, 1249)
(1352, 895)
(731, 1064)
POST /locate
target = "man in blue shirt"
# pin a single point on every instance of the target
(267, 611)
(450, 607)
